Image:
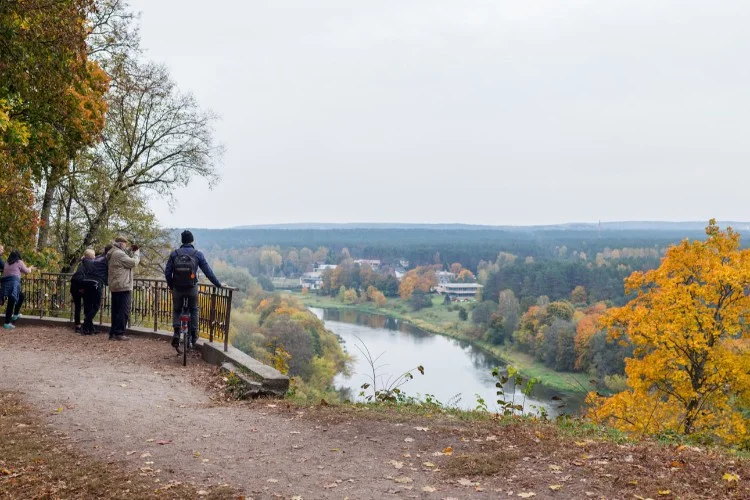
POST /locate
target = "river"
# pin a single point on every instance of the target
(455, 372)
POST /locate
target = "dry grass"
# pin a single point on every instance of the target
(38, 464)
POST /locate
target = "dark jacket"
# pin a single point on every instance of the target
(202, 264)
(95, 269)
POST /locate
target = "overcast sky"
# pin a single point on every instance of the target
(474, 111)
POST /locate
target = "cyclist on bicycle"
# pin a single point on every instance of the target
(181, 273)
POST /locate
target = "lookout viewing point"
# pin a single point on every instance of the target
(49, 303)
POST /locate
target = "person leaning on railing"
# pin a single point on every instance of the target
(11, 285)
(86, 284)
(181, 273)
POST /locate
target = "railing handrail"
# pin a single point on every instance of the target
(49, 294)
(140, 278)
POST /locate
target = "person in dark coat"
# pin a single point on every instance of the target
(78, 286)
(91, 276)
(186, 288)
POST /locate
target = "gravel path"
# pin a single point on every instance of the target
(135, 404)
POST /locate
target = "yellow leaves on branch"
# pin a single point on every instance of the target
(687, 322)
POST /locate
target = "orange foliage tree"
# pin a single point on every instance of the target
(688, 323)
(421, 278)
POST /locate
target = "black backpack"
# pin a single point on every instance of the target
(184, 268)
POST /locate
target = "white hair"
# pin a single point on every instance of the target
(89, 253)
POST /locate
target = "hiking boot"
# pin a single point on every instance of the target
(9, 326)
(120, 337)
(16, 316)
(78, 328)
(176, 341)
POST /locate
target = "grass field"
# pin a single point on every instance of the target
(440, 320)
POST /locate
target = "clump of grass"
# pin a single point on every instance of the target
(480, 464)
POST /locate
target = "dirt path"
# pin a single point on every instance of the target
(118, 400)
(133, 403)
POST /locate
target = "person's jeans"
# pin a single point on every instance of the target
(13, 308)
(192, 302)
(75, 291)
(92, 299)
(120, 313)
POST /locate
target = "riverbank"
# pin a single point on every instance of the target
(439, 320)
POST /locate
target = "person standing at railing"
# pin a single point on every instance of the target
(122, 259)
(86, 285)
(11, 285)
(181, 273)
(78, 284)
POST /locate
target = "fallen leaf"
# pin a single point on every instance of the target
(144, 455)
(202, 492)
(555, 467)
(150, 440)
(466, 482)
(730, 477)
(408, 440)
(403, 479)
(271, 480)
(164, 441)
(448, 451)
(425, 429)
(396, 464)
(130, 452)
(664, 492)
(428, 489)
(332, 485)
(123, 385)
(293, 432)
(428, 464)
(527, 494)
(297, 497)
(555, 487)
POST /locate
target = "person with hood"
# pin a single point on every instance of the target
(181, 273)
(122, 259)
(11, 285)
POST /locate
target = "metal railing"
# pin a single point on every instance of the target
(48, 294)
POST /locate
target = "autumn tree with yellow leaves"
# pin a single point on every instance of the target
(688, 323)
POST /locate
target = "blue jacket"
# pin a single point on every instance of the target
(202, 264)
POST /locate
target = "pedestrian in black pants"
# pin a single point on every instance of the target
(181, 273)
(78, 286)
(11, 285)
(86, 286)
(122, 259)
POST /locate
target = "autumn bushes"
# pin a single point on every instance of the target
(281, 332)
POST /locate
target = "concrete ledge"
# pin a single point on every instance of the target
(271, 381)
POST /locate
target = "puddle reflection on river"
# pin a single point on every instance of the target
(455, 371)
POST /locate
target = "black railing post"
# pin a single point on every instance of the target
(156, 291)
(226, 323)
(212, 316)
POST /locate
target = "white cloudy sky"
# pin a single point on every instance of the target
(476, 111)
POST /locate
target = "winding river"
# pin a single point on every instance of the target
(455, 372)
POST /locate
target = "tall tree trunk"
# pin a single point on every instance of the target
(53, 180)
